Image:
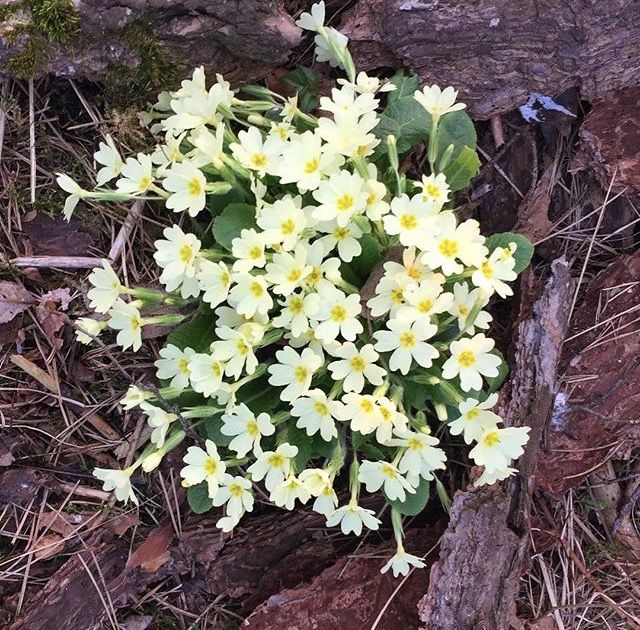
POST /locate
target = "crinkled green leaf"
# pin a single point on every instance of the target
(197, 333)
(462, 169)
(307, 84)
(198, 498)
(406, 85)
(405, 119)
(414, 503)
(231, 221)
(524, 250)
(368, 259)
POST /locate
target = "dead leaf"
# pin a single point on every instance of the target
(60, 296)
(122, 523)
(14, 299)
(154, 551)
(44, 378)
(533, 213)
(51, 322)
(48, 546)
(57, 237)
(63, 523)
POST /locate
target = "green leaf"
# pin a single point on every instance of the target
(259, 396)
(307, 84)
(198, 498)
(462, 169)
(414, 503)
(304, 442)
(231, 221)
(407, 120)
(210, 429)
(368, 259)
(406, 85)
(197, 333)
(455, 128)
(524, 250)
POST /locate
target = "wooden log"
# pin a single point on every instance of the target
(475, 581)
(496, 53)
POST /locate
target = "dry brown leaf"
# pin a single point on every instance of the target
(533, 213)
(154, 551)
(44, 378)
(14, 299)
(48, 546)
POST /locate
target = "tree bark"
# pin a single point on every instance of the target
(496, 53)
(475, 582)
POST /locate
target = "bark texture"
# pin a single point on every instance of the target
(243, 39)
(475, 582)
(498, 52)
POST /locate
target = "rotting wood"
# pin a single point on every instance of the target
(475, 581)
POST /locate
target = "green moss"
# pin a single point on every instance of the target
(8, 10)
(50, 22)
(126, 86)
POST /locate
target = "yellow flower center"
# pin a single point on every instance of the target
(194, 187)
(186, 253)
(287, 227)
(256, 289)
(414, 444)
(413, 272)
(315, 275)
(424, 306)
(491, 439)
(339, 314)
(358, 364)
(242, 347)
(448, 248)
(135, 323)
(408, 222)
(300, 374)
(341, 233)
(144, 182)
(225, 279)
(471, 414)
(252, 428)
(282, 131)
(466, 358)
(294, 275)
(236, 490)
(258, 160)
(487, 270)
(366, 405)
(407, 340)
(463, 310)
(321, 408)
(344, 203)
(371, 198)
(183, 365)
(255, 252)
(397, 296)
(386, 414)
(432, 190)
(210, 466)
(296, 305)
(216, 369)
(311, 166)
(275, 460)
(362, 149)
(388, 471)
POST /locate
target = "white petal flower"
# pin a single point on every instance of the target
(496, 448)
(286, 493)
(256, 153)
(247, 429)
(178, 257)
(287, 271)
(421, 456)
(248, 249)
(401, 562)
(250, 295)
(283, 221)
(475, 418)
(376, 475)
(294, 372)
(356, 366)
(349, 133)
(340, 197)
(205, 373)
(215, 280)
(489, 478)
(324, 274)
(338, 315)
(88, 328)
(411, 219)
(273, 466)
(407, 342)
(209, 148)
(390, 291)
(345, 238)
(314, 20)
(494, 271)
(174, 365)
(315, 480)
(203, 465)
(168, 153)
(352, 517)
(471, 360)
(235, 348)
(235, 493)
(362, 412)
(125, 317)
(159, 420)
(134, 397)
(435, 189)
(316, 413)
(438, 102)
(464, 302)
(106, 288)
(119, 481)
(326, 503)
(107, 155)
(187, 185)
(377, 207)
(392, 420)
(137, 175)
(424, 300)
(298, 310)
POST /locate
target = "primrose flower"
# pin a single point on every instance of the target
(256, 153)
(214, 279)
(365, 84)
(423, 300)
(326, 502)
(205, 374)
(325, 273)
(287, 271)
(338, 315)
(137, 175)
(435, 189)
(283, 221)
(250, 295)
(340, 197)
(344, 238)
(475, 418)
(411, 219)
(390, 292)
(315, 480)
(76, 192)
(349, 134)
(119, 481)
(106, 288)
(294, 371)
(298, 310)
(463, 303)
(421, 456)
(286, 493)
(109, 158)
(178, 257)
(248, 249)
(331, 46)
(376, 475)
(401, 562)
(273, 466)
(203, 465)
(352, 517)
(208, 148)
(377, 207)
(235, 492)
(88, 328)
(187, 185)
(391, 419)
(438, 102)
(316, 413)
(494, 271)
(247, 428)
(159, 420)
(496, 448)
(314, 20)
(356, 366)
(489, 478)
(407, 342)
(362, 412)
(134, 397)
(174, 364)
(125, 317)
(471, 359)
(235, 347)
